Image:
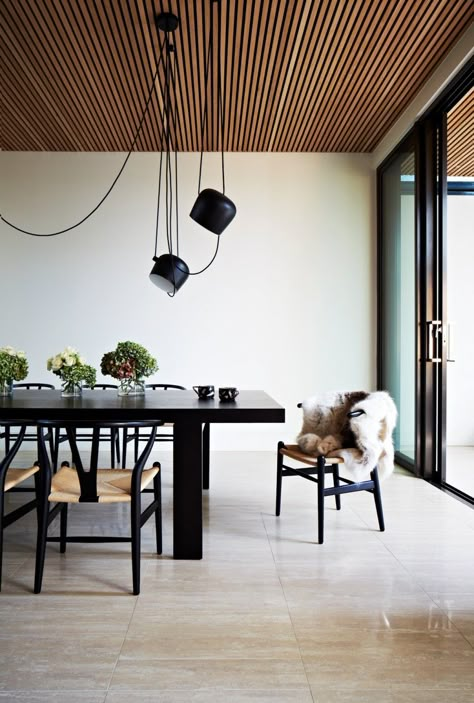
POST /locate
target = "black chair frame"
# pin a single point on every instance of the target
(317, 474)
(88, 485)
(41, 493)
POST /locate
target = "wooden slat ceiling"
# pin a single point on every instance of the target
(461, 138)
(298, 75)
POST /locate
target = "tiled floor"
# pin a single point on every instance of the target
(460, 468)
(267, 615)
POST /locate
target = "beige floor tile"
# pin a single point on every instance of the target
(52, 697)
(157, 674)
(64, 615)
(402, 660)
(49, 662)
(221, 637)
(386, 696)
(361, 614)
(213, 696)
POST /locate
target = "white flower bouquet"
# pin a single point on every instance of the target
(72, 369)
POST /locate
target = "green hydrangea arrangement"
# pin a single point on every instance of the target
(13, 365)
(71, 368)
(129, 361)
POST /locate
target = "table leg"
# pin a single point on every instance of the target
(187, 490)
(205, 456)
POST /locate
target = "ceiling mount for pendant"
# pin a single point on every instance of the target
(167, 22)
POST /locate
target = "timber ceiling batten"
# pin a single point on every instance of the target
(297, 75)
(461, 138)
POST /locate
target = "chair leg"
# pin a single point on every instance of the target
(335, 477)
(158, 518)
(2, 508)
(135, 518)
(279, 477)
(63, 528)
(321, 474)
(42, 512)
(378, 499)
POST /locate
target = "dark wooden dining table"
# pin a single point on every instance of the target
(183, 408)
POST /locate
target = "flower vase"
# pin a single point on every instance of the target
(71, 389)
(6, 388)
(131, 386)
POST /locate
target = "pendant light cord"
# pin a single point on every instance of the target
(196, 273)
(220, 102)
(68, 229)
(204, 116)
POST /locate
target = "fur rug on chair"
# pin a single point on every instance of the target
(356, 426)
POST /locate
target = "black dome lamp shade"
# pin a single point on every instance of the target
(213, 210)
(169, 273)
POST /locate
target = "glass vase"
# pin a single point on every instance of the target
(6, 388)
(71, 389)
(131, 386)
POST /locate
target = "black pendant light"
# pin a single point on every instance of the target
(213, 210)
(169, 272)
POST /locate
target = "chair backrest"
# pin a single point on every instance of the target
(102, 386)
(164, 387)
(88, 476)
(35, 386)
(11, 453)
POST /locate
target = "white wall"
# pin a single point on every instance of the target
(288, 306)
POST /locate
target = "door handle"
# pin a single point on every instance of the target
(434, 332)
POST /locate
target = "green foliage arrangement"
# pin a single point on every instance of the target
(13, 365)
(129, 361)
(71, 368)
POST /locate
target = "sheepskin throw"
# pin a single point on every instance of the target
(356, 426)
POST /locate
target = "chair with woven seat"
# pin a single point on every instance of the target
(343, 431)
(315, 469)
(101, 485)
(11, 480)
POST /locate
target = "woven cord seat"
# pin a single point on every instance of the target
(16, 476)
(113, 485)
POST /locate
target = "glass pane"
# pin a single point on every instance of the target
(398, 295)
(460, 295)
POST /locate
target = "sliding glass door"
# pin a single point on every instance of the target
(426, 289)
(397, 293)
(457, 469)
